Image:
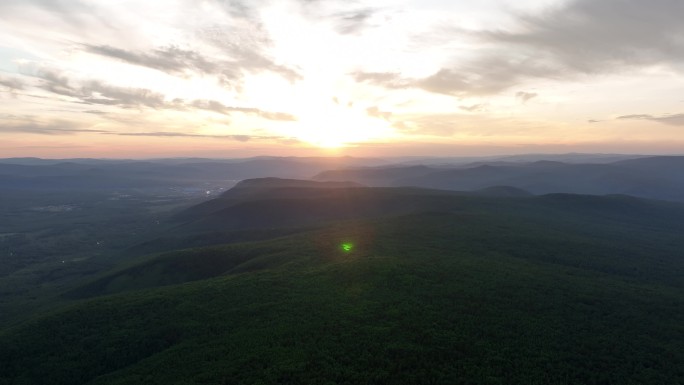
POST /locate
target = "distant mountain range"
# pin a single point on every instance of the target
(660, 177)
(94, 174)
(650, 177)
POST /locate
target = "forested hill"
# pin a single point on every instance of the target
(557, 289)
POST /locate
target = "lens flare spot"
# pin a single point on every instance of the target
(347, 247)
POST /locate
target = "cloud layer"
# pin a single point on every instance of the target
(577, 38)
(276, 71)
(672, 120)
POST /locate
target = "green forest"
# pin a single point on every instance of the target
(558, 289)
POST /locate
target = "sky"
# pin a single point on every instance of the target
(239, 78)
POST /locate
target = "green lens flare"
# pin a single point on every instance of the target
(347, 247)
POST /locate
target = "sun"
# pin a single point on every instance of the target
(336, 125)
(321, 120)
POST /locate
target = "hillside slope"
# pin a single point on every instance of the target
(559, 289)
(281, 203)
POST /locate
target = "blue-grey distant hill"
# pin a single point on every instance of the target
(659, 177)
(97, 174)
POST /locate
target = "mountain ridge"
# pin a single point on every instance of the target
(647, 177)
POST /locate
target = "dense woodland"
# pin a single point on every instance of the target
(435, 287)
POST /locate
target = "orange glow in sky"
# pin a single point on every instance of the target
(295, 77)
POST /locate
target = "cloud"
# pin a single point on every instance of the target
(433, 125)
(239, 9)
(640, 116)
(238, 49)
(243, 48)
(375, 112)
(281, 116)
(450, 124)
(575, 39)
(98, 93)
(55, 82)
(474, 108)
(95, 92)
(526, 96)
(12, 83)
(486, 76)
(71, 11)
(672, 120)
(384, 79)
(595, 36)
(489, 75)
(587, 37)
(345, 17)
(68, 19)
(239, 138)
(167, 59)
(352, 22)
(57, 6)
(177, 61)
(227, 44)
(215, 106)
(33, 125)
(30, 125)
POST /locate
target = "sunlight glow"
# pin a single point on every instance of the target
(335, 125)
